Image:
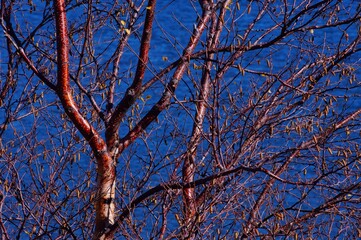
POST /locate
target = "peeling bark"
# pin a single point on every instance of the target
(106, 167)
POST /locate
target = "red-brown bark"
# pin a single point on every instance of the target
(106, 166)
(134, 90)
(226, 168)
(188, 171)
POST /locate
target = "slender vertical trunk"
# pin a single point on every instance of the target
(105, 161)
(189, 195)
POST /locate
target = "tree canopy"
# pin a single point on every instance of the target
(180, 119)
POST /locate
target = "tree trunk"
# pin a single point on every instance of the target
(106, 165)
(105, 207)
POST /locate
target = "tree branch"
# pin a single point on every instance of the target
(134, 90)
(164, 101)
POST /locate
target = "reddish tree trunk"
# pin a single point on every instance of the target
(106, 165)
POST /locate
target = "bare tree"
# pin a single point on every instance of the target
(191, 120)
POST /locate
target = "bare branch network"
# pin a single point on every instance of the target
(180, 119)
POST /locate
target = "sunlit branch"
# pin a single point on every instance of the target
(134, 90)
(171, 86)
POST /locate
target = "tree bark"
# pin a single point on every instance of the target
(105, 163)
